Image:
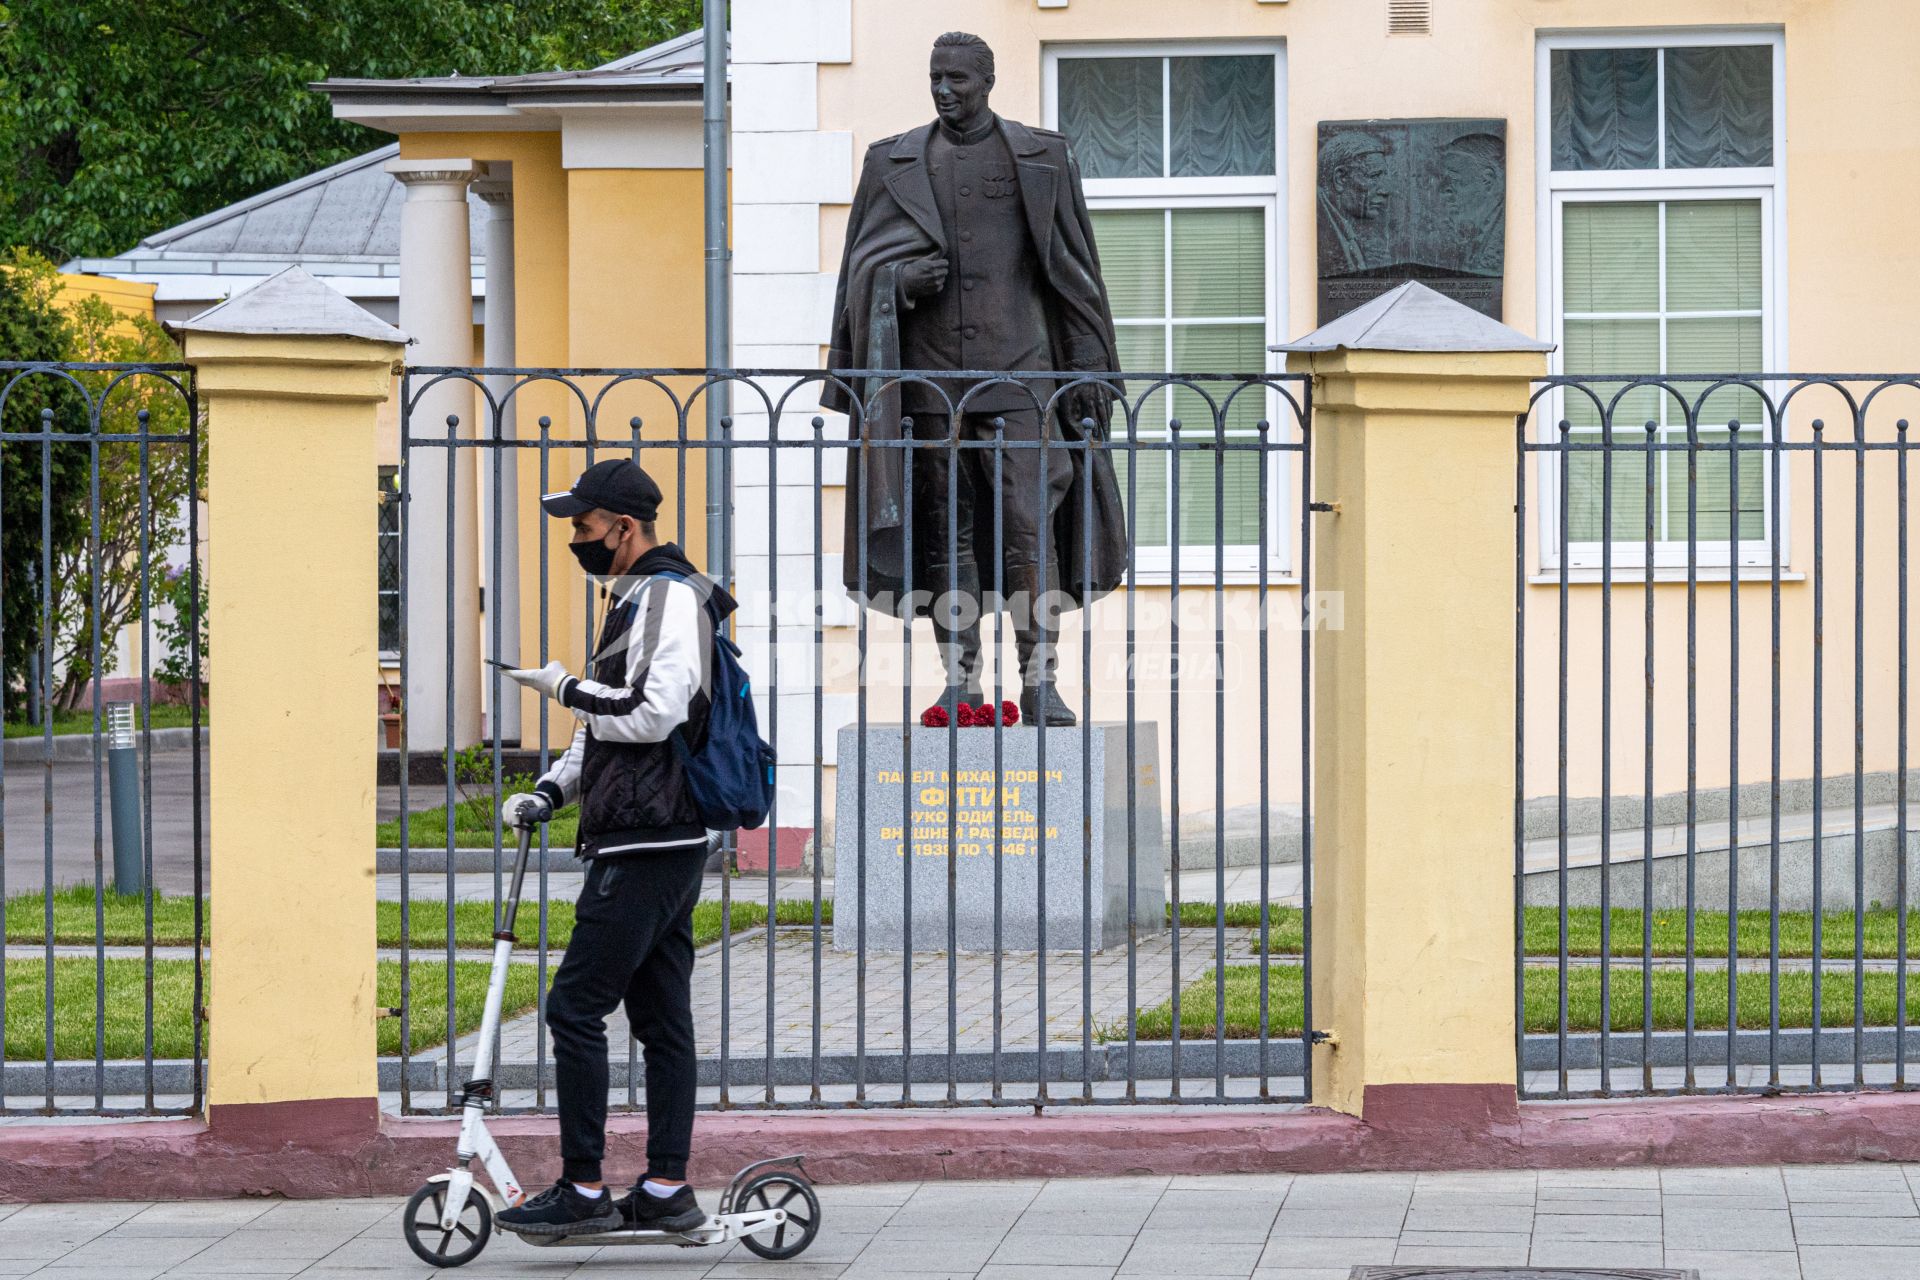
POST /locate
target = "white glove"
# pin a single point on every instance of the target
(526, 809)
(549, 680)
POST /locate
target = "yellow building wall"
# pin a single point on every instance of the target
(639, 301)
(1852, 176)
(130, 299)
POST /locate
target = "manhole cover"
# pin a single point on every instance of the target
(1519, 1273)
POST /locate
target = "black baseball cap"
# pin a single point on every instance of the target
(617, 485)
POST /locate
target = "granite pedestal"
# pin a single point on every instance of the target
(957, 831)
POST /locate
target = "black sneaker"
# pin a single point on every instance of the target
(644, 1211)
(560, 1210)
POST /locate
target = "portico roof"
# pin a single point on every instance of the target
(666, 74)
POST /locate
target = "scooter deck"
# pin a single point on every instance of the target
(630, 1235)
(716, 1231)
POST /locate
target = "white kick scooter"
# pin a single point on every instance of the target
(449, 1220)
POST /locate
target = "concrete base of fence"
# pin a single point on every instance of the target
(1152, 1060)
(345, 1147)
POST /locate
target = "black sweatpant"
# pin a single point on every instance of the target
(632, 944)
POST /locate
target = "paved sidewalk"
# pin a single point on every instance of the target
(1855, 1222)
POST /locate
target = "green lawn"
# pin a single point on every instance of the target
(73, 920)
(1286, 926)
(1710, 933)
(73, 917)
(74, 994)
(166, 715)
(428, 1022)
(1197, 1016)
(1669, 931)
(472, 827)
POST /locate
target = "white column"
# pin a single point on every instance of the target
(436, 308)
(501, 465)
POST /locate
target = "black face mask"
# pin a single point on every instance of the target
(595, 557)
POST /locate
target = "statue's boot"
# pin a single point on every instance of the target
(1041, 704)
(956, 630)
(1036, 638)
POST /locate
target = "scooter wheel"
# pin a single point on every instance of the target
(433, 1243)
(781, 1191)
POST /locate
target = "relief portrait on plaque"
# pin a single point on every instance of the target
(1403, 200)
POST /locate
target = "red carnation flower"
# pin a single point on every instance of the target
(1009, 713)
(935, 716)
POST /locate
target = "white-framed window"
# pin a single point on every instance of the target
(1182, 149)
(1662, 228)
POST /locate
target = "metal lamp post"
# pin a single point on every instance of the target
(719, 303)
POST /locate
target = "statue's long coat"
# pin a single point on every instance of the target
(894, 220)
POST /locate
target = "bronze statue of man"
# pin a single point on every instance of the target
(969, 248)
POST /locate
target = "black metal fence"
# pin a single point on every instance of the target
(815, 1009)
(102, 974)
(1711, 859)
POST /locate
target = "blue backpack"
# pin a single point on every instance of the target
(731, 776)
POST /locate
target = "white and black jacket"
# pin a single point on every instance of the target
(649, 676)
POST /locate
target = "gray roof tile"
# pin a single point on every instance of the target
(1414, 318)
(349, 211)
(292, 302)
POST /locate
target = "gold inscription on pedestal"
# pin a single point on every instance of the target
(969, 815)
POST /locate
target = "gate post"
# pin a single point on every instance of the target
(292, 376)
(1415, 398)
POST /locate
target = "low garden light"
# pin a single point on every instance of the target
(123, 782)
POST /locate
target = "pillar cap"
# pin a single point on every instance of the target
(293, 303)
(1414, 318)
(410, 169)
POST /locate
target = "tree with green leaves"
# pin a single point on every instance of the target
(114, 571)
(36, 482)
(124, 117)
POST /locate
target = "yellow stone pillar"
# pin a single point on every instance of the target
(1415, 399)
(291, 375)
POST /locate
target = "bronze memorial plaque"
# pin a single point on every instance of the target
(1404, 200)
(1521, 1273)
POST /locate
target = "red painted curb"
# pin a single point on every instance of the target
(344, 1147)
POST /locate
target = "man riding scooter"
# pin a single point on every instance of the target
(644, 847)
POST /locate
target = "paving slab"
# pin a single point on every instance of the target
(1464, 1239)
(1596, 1253)
(1735, 1264)
(1858, 1204)
(1308, 1252)
(1722, 1182)
(1063, 1251)
(1337, 1222)
(1502, 1256)
(1469, 1218)
(1855, 1230)
(1180, 1254)
(1599, 1226)
(1847, 1262)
